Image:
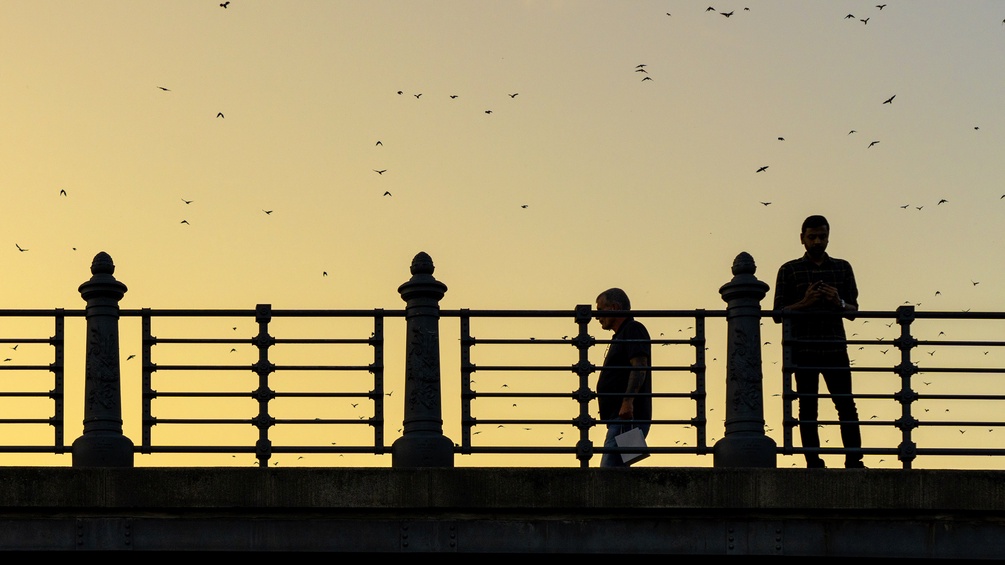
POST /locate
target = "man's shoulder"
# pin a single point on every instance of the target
(789, 265)
(634, 327)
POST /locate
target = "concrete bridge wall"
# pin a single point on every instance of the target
(672, 511)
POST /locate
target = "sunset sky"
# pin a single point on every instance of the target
(539, 151)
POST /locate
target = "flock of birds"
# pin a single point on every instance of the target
(641, 71)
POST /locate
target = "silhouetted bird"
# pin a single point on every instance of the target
(850, 17)
(219, 114)
(418, 95)
(387, 193)
(186, 201)
(873, 143)
(727, 14)
(186, 222)
(647, 78)
(267, 212)
(324, 273)
(942, 201)
(710, 9)
(452, 96)
(865, 21)
(225, 4)
(514, 95)
(380, 172)
(19, 248)
(62, 192)
(379, 143)
(766, 203)
(164, 89)
(762, 169)
(881, 6)
(852, 131)
(522, 206)
(488, 111)
(890, 99)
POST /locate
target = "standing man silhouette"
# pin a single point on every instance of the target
(823, 286)
(625, 384)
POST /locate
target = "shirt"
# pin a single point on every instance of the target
(794, 278)
(630, 341)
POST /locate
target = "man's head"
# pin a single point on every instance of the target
(612, 299)
(814, 235)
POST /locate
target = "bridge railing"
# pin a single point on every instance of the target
(316, 382)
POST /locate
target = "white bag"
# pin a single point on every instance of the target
(632, 438)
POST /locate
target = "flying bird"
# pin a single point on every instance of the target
(186, 201)
(890, 99)
(766, 203)
(62, 192)
(762, 169)
(524, 205)
(130, 357)
(865, 21)
(647, 78)
(387, 193)
(452, 96)
(380, 172)
(488, 111)
(727, 14)
(324, 273)
(710, 9)
(418, 95)
(19, 248)
(164, 89)
(873, 143)
(941, 201)
(379, 143)
(219, 114)
(781, 139)
(225, 4)
(850, 17)
(852, 131)
(514, 95)
(267, 212)
(186, 222)
(881, 6)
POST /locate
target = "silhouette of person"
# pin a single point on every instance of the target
(823, 286)
(625, 374)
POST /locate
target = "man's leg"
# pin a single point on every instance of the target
(839, 385)
(808, 383)
(613, 459)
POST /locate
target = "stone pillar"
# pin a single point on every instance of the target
(102, 443)
(422, 443)
(745, 443)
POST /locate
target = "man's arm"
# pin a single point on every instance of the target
(636, 379)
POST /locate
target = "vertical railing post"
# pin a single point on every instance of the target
(102, 443)
(264, 393)
(745, 443)
(422, 443)
(907, 450)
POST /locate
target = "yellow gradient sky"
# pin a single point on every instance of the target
(582, 176)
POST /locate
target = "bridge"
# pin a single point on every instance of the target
(111, 499)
